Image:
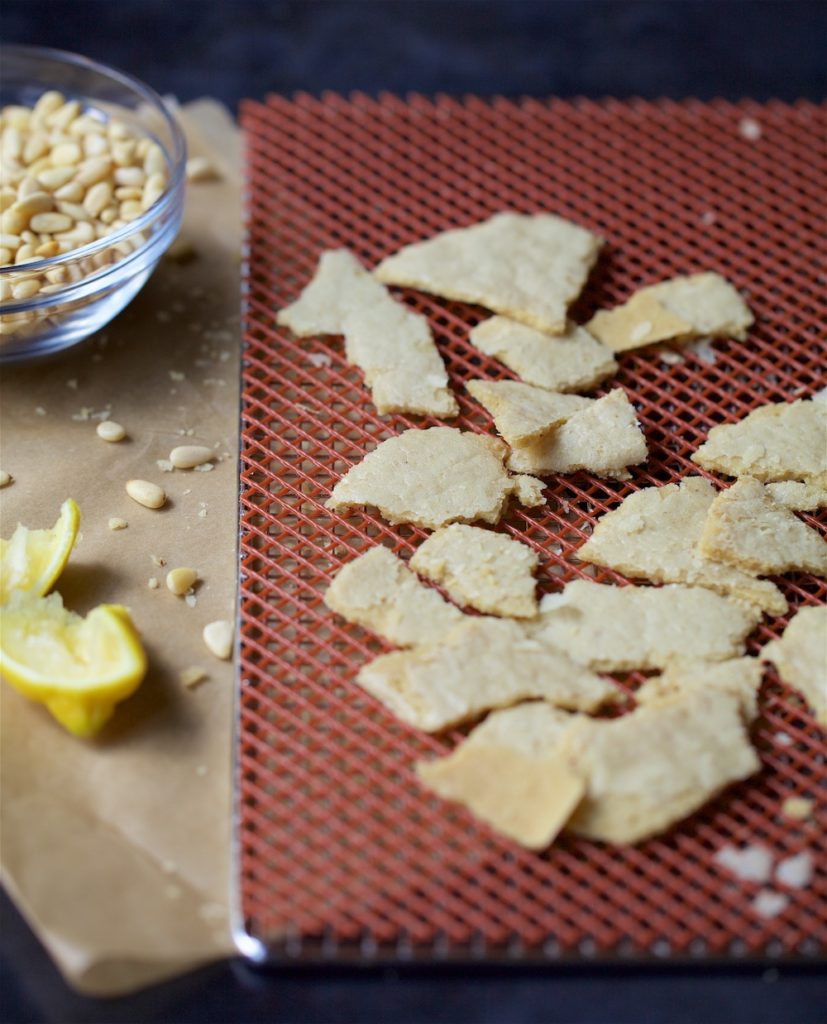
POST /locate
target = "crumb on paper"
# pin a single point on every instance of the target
(164, 465)
(191, 600)
(201, 770)
(173, 892)
(205, 467)
(192, 676)
(157, 560)
(116, 523)
(770, 904)
(72, 383)
(177, 376)
(153, 583)
(40, 411)
(748, 863)
(162, 316)
(795, 872)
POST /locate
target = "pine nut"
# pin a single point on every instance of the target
(123, 192)
(5, 478)
(130, 176)
(199, 168)
(145, 493)
(25, 254)
(97, 198)
(55, 177)
(109, 430)
(28, 186)
(95, 145)
(51, 222)
(218, 637)
(12, 221)
(25, 289)
(155, 162)
(94, 170)
(47, 249)
(48, 103)
(10, 241)
(35, 147)
(73, 192)
(181, 580)
(67, 154)
(73, 209)
(6, 256)
(188, 456)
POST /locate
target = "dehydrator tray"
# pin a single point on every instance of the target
(341, 855)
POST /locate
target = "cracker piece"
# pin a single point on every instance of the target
(653, 534)
(801, 657)
(392, 345)
(739, 676)
(378, 591)
(528, 490)
(523, 412)
(604, 439)
(781, 441)
(434, 477)
(530, 267)
(484, 663)
(746, 528)
(487, 571)
(618, 629)
(572, 361)
(680, 309)
(798, 495)
(508, 774)
(653, 767)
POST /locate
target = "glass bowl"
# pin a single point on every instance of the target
(80, 291)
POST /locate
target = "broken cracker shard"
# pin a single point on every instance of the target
(392, 345)
(434, 477)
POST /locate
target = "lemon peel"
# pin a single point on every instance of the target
(32, 560)
(80, 668)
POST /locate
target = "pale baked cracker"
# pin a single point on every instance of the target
(680, 309)
(571, 361)
(653, 534)
(487, 571)
(508, 774)
(739, 676)
(530, 267)
(391, 344)
(523, 412)
(528, 490)
(618, 629)
(603, 438)
(378, 591)
(434, 477)
(653, 767)
(745, 527)
(801, 657)
(798, 495)
(483, 663)
(781, 441)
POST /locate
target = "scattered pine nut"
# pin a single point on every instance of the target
(115, 523)
(189, 456)
(145, 493)
(797, 807)
(5, 478)
(218, 636)
(181, 580)
(199, 168)
(109, 430)
(191, 677)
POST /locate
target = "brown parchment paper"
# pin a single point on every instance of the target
(117, 850)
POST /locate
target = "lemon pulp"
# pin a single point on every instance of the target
(32, 560)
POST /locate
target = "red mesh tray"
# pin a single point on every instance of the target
(340, 854)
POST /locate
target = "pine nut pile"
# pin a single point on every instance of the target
(69, 176)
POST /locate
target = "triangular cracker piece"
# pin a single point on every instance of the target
(484, 570)
(572, 361)
(391, 344)
(619, 629)
(680, 309)
(603, 438)
(523, 412)
(434, 477)
(484, 663)
(746, 528)
(653, 767)
(653, 535)
(531, 267)
(739, 676)
(801, 657)
(782, 441)
(378, 591)
(509, 774)
(798, 495)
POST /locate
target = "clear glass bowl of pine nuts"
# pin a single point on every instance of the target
(91, 195)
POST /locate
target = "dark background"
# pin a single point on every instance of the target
(237, 48)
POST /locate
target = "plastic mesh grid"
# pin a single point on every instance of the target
(339, 850)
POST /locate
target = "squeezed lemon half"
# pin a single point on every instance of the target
(79, 668)
(33, 559)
